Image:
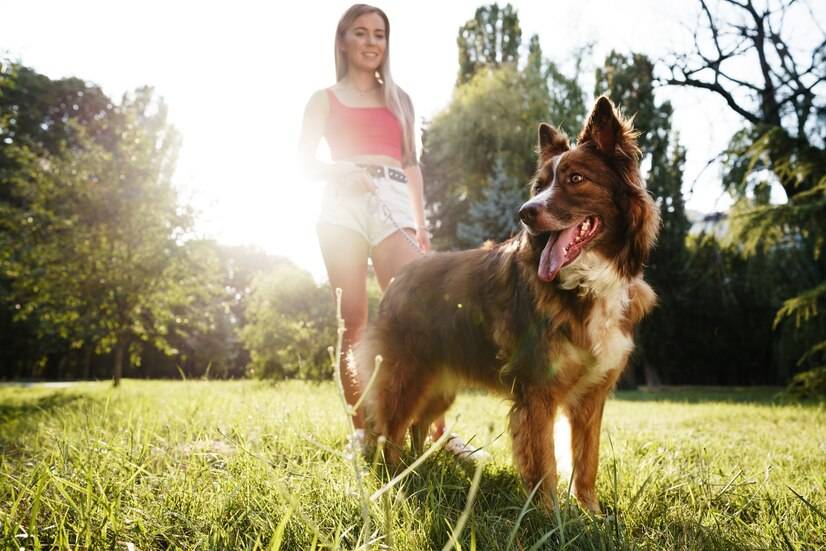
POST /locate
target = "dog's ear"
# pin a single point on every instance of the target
(613, 136)
(609, 132)
(552, 142)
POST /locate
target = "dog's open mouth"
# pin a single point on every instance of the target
(564, 246)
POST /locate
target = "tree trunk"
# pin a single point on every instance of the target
(61, 366)
(87, 362)
(119, 350)
(652, 378)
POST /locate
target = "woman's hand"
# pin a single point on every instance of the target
(423, 239)
(353, 178)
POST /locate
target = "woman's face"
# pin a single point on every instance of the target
(365, 41)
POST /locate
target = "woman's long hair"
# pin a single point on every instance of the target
(394, 97)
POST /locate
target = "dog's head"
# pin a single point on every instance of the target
(591, 197)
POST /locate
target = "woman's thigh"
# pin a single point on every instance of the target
(345, 255)
(392, 254)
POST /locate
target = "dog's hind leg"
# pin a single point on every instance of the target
(398, 397)
(432, 409)
(531, 424)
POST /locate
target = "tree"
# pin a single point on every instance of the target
(38, 112)
(487, 134)
(491, 39)
(91, 238)
(220, 349)
(290, 324)
(784, 113)
(485, 124)
(41, 114)
(784, 105)
(496, 215)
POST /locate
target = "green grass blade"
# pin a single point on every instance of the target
(522, 513)
(278, 534)
(807, 503)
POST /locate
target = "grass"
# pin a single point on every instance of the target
(247, 464)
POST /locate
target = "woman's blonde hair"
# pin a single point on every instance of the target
(394, 97)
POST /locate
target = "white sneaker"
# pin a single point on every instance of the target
(463, 450)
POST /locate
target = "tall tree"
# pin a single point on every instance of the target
(489, 125)
(41, 114)
(774, 78)
(491, 39)
(91, 236)
(767, 75)
(478, 154)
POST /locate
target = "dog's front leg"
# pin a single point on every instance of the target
(531, 425)
(586, 420)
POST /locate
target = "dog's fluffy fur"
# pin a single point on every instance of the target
(546, 318)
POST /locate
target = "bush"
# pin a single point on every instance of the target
(809, 384)
(290, 324)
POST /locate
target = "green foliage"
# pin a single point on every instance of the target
(93, 247)
(495, 215)
(723, 322)
(38, 112)
(290, 324)
(808, 384)
(487, 137)
(43, 115)
(221, 465)
(491, 39)
(758, 225)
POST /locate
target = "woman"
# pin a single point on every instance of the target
(373, 204)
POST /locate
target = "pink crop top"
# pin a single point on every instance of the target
(352, 131)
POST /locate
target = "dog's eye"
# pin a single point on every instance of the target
(576, 178)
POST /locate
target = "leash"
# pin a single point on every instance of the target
(387, 214)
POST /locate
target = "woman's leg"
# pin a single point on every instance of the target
(390, 256)
(345, 256)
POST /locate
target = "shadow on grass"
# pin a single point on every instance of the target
(25, 409)
(440, 487)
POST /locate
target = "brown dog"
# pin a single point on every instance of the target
(546, 318)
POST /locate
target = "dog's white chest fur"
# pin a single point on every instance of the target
(609, 344)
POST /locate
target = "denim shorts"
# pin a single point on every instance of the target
(375, 215)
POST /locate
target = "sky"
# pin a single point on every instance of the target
(237, 75)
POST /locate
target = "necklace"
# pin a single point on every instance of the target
(360, 92)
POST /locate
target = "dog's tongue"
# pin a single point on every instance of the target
(554, 255)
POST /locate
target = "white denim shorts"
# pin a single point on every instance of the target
(375, 215)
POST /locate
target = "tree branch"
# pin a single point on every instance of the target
(717, 88)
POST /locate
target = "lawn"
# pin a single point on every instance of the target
(247, 464)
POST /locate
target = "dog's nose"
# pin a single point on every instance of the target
(529, 212)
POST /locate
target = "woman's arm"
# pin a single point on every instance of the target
(312, 129)
(415, 183)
